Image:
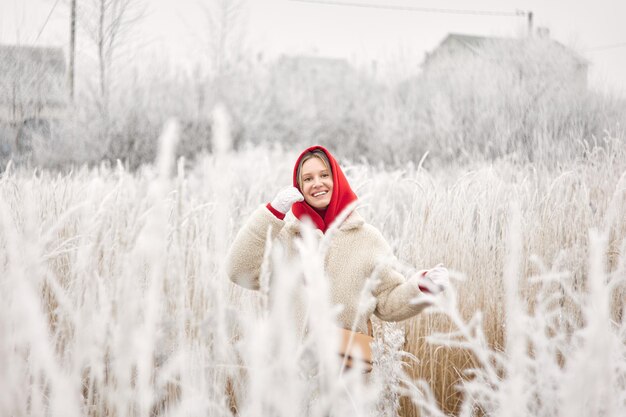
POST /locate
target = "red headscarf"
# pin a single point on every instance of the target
(342, 194)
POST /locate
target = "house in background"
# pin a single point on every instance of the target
(312, 85)
(564, 62)
(312, 68)
(33, 84)
(315, 99)
(311, 77)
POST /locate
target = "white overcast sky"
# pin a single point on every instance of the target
(174, 28)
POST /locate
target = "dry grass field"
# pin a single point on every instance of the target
(114, 300)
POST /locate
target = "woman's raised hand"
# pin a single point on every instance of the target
(285, 199)
(434, 280)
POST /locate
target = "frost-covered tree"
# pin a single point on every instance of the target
(107, 24)
(226, 34)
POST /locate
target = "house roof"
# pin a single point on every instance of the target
(312, 63)
(32, 75)
(474, 42)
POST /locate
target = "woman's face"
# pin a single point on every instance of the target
(317, 183)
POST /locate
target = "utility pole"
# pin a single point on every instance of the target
(529, 19)
(72, 46)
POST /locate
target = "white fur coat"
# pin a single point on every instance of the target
(355, 251)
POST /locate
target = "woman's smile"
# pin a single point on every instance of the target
(317, 183)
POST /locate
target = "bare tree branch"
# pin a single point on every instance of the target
(107, 24)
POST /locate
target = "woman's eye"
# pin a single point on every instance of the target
(307, 179)
(324, 175)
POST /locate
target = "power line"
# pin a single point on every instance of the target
(604, 47)
(54, 6)
(414, 9)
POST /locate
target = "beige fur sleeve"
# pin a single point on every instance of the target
(244, 259)
(394, 292)
(394, 295)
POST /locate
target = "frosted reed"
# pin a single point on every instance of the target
(114, 300)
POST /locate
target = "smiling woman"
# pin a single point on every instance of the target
(315, 179)
(356, 250)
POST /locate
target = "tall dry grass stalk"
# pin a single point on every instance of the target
(114, 300)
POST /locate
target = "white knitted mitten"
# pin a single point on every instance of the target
(285, 199)
(437, 279)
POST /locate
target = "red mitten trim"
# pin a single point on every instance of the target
(422, 287)
(275, 212)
